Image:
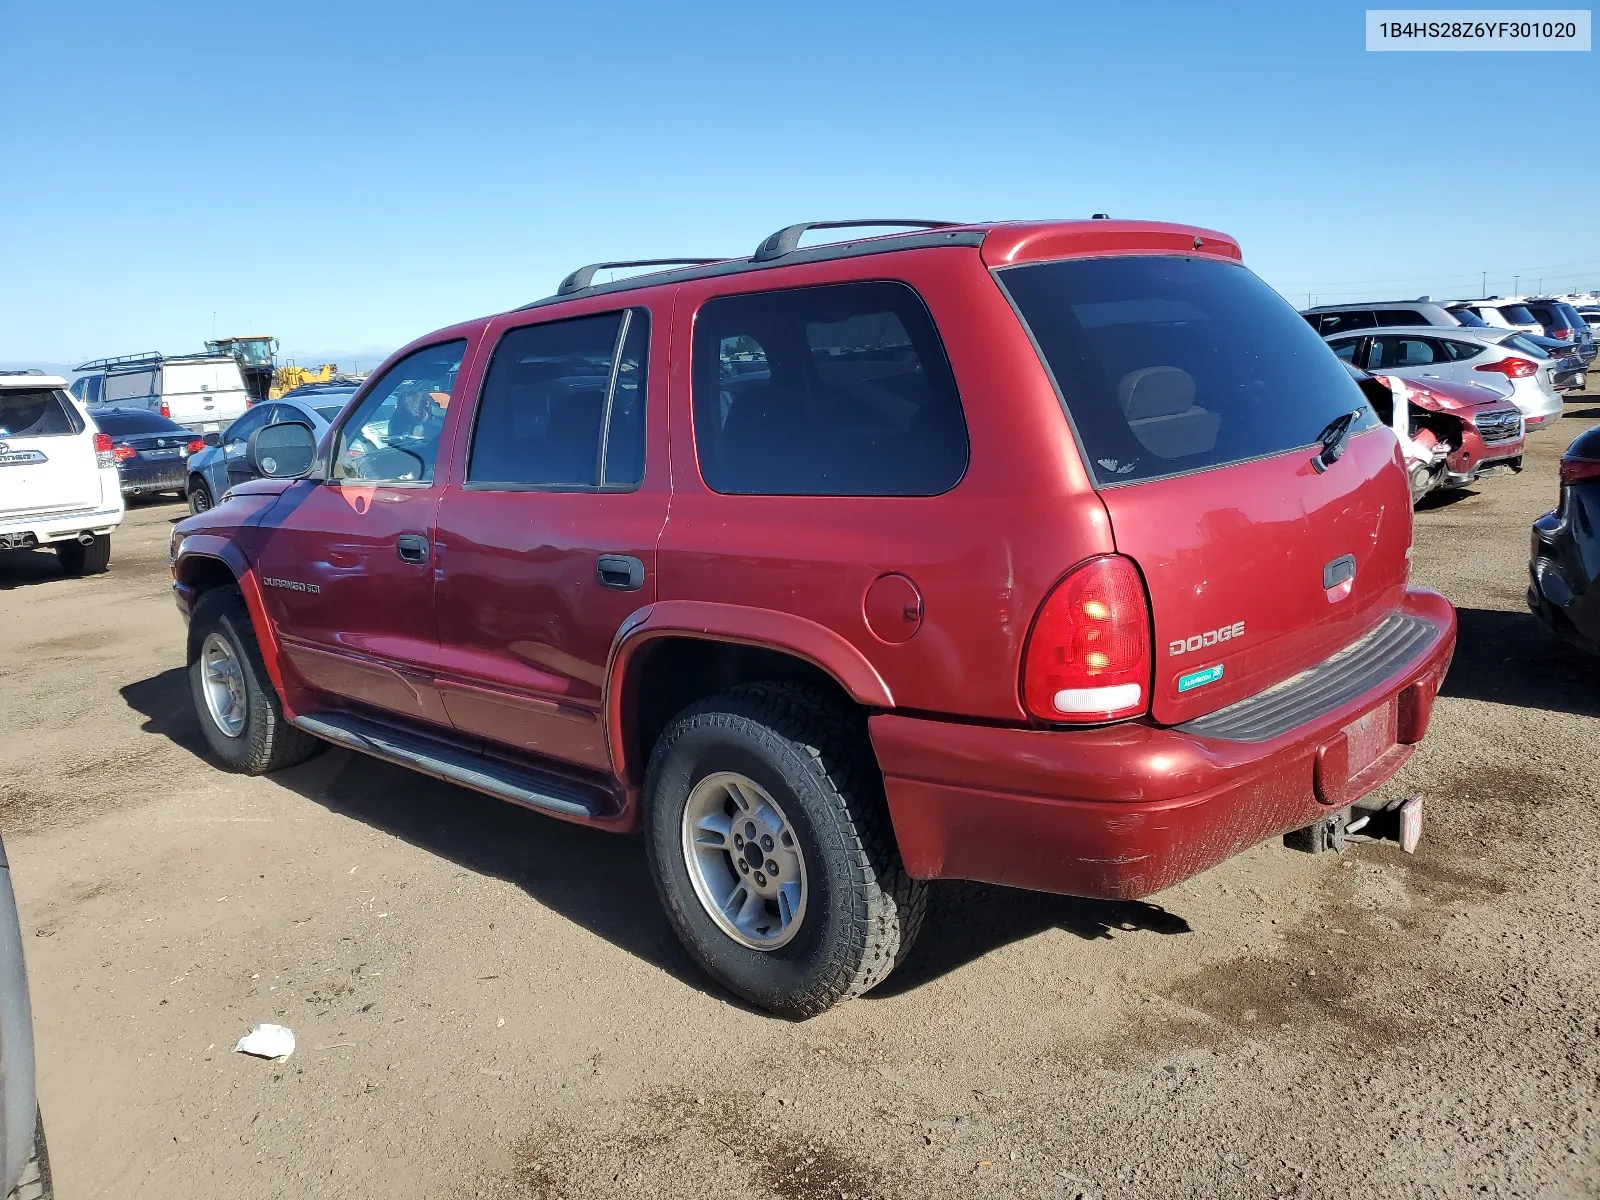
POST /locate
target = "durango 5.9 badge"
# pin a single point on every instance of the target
(1204, 641)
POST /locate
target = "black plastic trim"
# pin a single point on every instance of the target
(1360, 666)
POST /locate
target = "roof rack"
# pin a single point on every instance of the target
(100, 364)
(787, 239)
(584, 276)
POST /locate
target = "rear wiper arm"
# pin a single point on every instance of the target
(1333, 438)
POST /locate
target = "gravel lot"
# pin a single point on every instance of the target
(489, 1003)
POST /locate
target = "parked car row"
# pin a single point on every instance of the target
(1527, 353)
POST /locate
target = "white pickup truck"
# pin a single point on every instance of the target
(58, 476)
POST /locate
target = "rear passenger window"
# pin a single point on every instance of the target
(1346, 349)
(841, 390)
(1391, 353)
(1399, 316)
(1338, 322)
(563, 406)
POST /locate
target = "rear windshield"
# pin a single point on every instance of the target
(1169, 365)
(1467, 317)
(1517, 315)
(121, 421)
(37, 412)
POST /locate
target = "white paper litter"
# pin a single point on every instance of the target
(267, 1041)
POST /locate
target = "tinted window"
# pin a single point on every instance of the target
(36, 412)
(1461, 351)
(564, 405)
(1392, 352)
(329, 412)
(1524, 342)
(1469, 318)
(1400, 316)
(1517, 314)
(1169, 365)
(253, 420)
(119, 422)
(394, 434)
(1338, 322)
(1346, 349)
(841, 390)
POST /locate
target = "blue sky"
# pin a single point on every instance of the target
(348, 175)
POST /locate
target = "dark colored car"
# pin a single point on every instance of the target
(149, 449)
(1057, 555)
(1564, 588)
(1562, 323)
(220, 462)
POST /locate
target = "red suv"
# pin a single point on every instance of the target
(1059, 555)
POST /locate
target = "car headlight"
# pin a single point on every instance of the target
(175, 546)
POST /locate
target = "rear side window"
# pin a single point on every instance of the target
(1346, 349)
(1461, 351)
(1469, 318)
(1169, 365)
(1400, 316)
(840, 390)
(1339, 322)
(37, 412)
(1392, 353)
(563, 406)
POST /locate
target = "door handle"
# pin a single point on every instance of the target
(412, 547)
(620, 571)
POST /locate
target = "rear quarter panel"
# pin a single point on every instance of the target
(982, 555)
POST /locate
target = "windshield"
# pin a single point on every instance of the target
(330, 411)
(1169, 365)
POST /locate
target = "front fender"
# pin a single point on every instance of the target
(195, 563)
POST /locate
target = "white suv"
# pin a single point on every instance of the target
(58, 476)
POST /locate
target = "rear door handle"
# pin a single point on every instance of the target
(622, 572)
(412, 547)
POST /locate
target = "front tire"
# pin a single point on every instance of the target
(78, 559)
(199, 496)
(772, 851)
(239, 711)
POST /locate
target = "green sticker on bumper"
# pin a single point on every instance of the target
(1194, 679)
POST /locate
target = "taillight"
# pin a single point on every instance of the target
(1561, 335)
(123, 453)
(1088, 655)
(1511, 367)
(1576, 470)
(103, 455)
(196, 446)
(166, 410)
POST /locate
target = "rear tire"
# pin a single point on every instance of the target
(78, 559)
(805, 762)
(198, 495)
(238, 708)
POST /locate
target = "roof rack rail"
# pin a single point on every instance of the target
(100, 364)
(584, 276)
(787, 239)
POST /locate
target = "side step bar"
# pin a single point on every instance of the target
(546, 792)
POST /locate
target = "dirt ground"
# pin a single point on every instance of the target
(489, 1003)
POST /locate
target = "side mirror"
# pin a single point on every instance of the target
(282, 451)
(212, 439)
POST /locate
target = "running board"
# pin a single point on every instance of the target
(532, 788)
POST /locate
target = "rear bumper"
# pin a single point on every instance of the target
(41, 529)
(1561, 592)
(155, 477)
(1126, 810)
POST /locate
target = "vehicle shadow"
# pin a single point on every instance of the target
(966, 921)
(1444, 498)
(24, 568)
(1509, 658)
(597, 880)
(1585, 413)
(602, 881)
